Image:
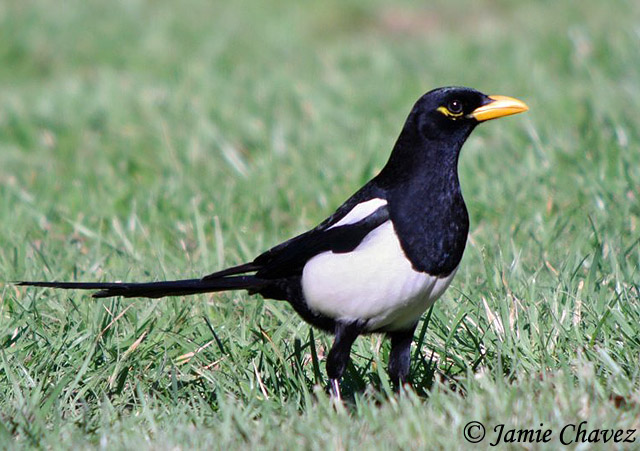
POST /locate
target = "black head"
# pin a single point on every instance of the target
(437, 127)
(451, 113)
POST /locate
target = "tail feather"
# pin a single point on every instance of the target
(157, 289)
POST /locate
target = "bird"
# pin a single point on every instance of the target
(382, 258)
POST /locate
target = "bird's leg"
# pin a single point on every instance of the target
(334, 389)
(400, 356)
(338, 358)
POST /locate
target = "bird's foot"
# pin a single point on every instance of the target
(402, 387)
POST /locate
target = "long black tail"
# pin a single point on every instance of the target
(157, 289)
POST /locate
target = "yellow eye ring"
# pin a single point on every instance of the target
(444, 110)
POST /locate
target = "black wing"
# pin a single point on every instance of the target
(288, 258)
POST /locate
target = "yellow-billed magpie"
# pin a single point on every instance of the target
(383, 257)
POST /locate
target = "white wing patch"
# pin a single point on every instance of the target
(374, 282)
(360, 212)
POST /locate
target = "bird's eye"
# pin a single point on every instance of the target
(453, 110)
(455, 106)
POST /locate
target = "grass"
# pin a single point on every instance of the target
(142, 140)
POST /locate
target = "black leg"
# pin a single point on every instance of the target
(400, 356)
(338, 358)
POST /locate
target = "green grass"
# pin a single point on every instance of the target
(146, 140)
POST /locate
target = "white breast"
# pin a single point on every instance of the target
(374, 282)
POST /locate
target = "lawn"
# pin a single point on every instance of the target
(148, 140)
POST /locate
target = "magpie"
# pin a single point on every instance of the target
(383, 257)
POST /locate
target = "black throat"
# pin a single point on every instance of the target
(425, 201)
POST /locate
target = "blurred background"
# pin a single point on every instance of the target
(293, 105)
(156, 139)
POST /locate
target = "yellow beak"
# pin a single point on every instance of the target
(499, 107)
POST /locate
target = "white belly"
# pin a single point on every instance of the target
(374, 282)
